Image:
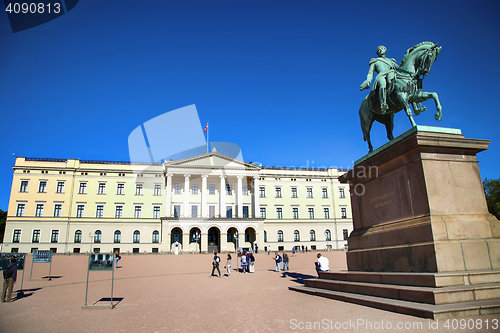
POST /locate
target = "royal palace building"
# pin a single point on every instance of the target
(205, 203)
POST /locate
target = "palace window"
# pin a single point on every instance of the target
(157, 190)
(194, 211)
(245, 211)
(60, 187)
(78, 236)
(36, 236)
(39, 210)
(20, 209)
(42, 186)
(312, 235)
(211, 188)
(54, 237)
(57, 210)
(343, 212)
(280, 236)
(341, 193)
(229, 211)
(177, 188)
(262, 212)
(137, 212)
(120, 188)
(156, 236)
(82, 189)
(80, 210)
(279, 213)
(324, 193)
(97, 236)
(294, 192)
(156, 212)
(326, 211)
(328, 235)
(211, 211)
(194, 188)
(137, 236)
(119, 212)
(229, 189)
(244, 189)
(99, 212)
(24, 186)
(278, 192)
(177, 210)
(138, 189)
(345, 233)
(101, 189)
(16, 238)
(296, 236)
(295, 212)
(118, 236)
(309, 192)
(262, 192)
(310, 211)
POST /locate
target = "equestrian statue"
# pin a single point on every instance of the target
(396, 87)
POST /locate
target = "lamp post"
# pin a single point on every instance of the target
(326, 236)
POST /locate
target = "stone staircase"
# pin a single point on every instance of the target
(427, 295)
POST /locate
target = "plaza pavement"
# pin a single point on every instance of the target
(168, 293)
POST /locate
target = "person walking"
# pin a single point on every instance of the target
(293, 251)
(215, 264)
(277, 260)
(117, 257)
(9, 278)
(228, 265)
(285, 261)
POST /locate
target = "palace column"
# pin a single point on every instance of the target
(168, 203)
(186, 195)
(185, 242)
(204, 208)
(222, 197)
(223, 242)
(256, 194)
(239, 197)
(204, 242)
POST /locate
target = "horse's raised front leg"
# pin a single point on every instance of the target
(424, 96)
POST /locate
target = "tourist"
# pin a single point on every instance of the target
(277, 260)
(117, 257)
(248, 261)
(10, 277)
(251, 263)
(228, 265)
(285, 261)
(322, 265)
(293, 251)
(215, 264)
(244, 262)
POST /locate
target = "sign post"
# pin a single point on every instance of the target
(42, 256)
(101, 262)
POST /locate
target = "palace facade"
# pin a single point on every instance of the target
(206, 203)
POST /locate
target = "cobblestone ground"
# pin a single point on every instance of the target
(167, 293)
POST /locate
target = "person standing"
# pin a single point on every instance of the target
(268, 250)
(277, 260)
(248, 262)
(302, 248)
(215, 264)
(9, 278)
(244, 262)
(322, 265)
(251, 263)
(228, 265)
(293, 251)
(117, 257)
(285, 261)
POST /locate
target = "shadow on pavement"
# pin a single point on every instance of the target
(297, 277)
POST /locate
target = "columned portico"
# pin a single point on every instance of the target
(204, 207)
(186, 195)
(256, 194)
(239, 197)
(168, 201)
(222, 196)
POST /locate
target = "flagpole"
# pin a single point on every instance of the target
(207, 137)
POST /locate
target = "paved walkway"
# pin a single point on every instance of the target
(167, 293)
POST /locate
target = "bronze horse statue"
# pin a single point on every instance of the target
(406, 88)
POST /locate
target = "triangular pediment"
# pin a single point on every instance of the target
(212, 160)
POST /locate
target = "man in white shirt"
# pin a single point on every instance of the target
(323, 264)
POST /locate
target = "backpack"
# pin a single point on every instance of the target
(279, 258)
(217, 259)
(244, 259)
(7, 272)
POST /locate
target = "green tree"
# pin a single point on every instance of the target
(3, 217)
(492, 191)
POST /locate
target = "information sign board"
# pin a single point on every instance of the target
(42, 256)
(101, 261)
(6, 257)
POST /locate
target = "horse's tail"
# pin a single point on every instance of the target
(364, 112)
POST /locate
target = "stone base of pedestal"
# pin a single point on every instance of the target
(427, 295)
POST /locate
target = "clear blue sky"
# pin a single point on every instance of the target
(280, 78)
